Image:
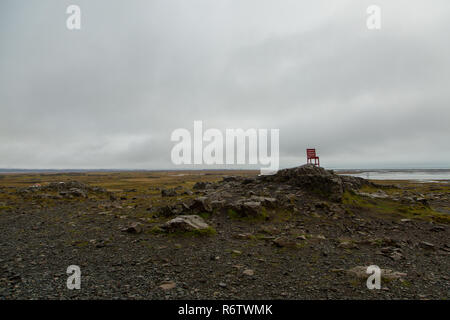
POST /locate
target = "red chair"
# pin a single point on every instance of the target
(311, 155)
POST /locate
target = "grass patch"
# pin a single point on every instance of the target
(81, 244)
(156, 230)
(205, 215)
(386, 206)
(233, 214)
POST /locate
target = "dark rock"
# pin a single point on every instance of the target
(200, 205)
(135, 228)
(251, 208)
(229, 178)
(200, 185)
(171, 210)
(310, 178)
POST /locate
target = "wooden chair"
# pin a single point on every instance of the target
(311, 155)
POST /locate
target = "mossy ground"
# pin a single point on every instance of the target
(390, 207)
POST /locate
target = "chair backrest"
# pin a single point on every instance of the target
(311, 153)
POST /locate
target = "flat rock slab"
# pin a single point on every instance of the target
(185, 223)
(168, 285)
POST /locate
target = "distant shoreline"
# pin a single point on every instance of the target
(340, 171)
(418, 175)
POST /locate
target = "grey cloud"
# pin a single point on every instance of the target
(109, 95)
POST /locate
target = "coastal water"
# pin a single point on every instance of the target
(419, 175)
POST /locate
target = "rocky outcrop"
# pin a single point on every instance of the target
(292, 189)
(311, 178)
(322, 182)
(200, 205)
(67, 189)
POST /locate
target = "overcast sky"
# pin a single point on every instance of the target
(109, 95)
